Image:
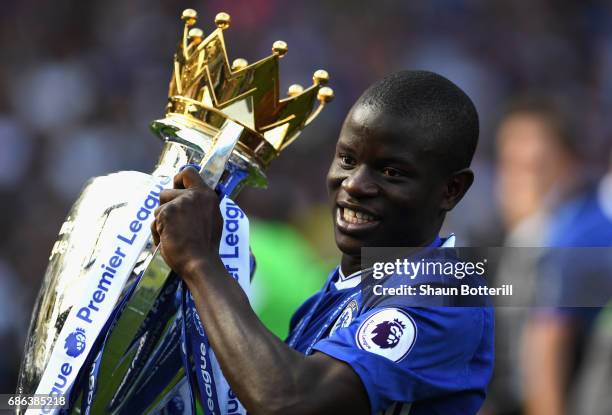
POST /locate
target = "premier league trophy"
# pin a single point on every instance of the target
(113, 330)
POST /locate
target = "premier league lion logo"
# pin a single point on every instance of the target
(388, 333)
(75, 343)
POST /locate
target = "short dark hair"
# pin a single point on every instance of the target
(555, 111)
(438, 109)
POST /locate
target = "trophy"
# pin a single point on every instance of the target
(228, 120)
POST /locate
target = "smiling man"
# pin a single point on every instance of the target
(402, 161)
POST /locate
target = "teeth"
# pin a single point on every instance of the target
(355, 217)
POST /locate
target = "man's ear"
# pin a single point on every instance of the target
(457, 185)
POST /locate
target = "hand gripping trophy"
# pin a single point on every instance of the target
(113, 330)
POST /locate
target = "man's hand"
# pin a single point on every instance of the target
(188, 224)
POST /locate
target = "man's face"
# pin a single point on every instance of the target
(385, 184)
(529, 164)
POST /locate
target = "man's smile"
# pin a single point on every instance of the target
(355, 220)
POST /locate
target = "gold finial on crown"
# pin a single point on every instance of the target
(326, 94)
(280, 48)
(195, 35)
(222, 20)
(239, 64)
(189, 16)
(320, 77)
(205, 90)
(295, 90)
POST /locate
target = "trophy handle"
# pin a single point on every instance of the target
(213, 164)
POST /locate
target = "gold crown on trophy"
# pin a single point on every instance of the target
(205, 90)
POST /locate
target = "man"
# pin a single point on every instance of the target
(537, 163)
(402, 161)
(573, 284)
(547, 199)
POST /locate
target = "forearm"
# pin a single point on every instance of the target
(263, 372)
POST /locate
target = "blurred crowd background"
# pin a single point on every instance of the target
(81, 80)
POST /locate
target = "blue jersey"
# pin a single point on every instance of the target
(417, 360)
(576, 283)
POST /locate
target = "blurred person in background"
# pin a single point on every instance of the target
(548, 198)
(537, 166)
(592, 393)
(567, 331)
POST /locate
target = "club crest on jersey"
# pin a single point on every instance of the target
(390, 333)
(345, 318)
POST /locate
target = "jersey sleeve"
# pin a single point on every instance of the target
(406, 354)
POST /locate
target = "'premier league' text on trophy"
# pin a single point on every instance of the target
(110, 319)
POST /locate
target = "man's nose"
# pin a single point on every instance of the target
(360, 183)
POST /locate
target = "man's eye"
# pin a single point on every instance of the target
(346, 160)
(391, 172)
